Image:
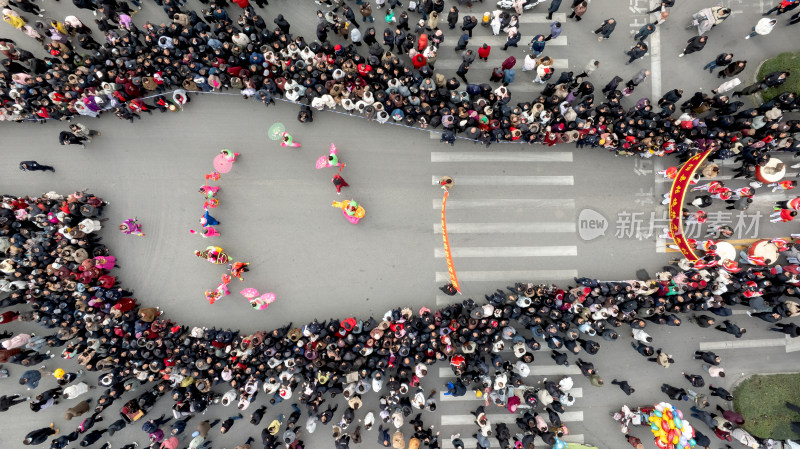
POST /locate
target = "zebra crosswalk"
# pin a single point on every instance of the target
(510, 218)
(456, 417)
(472, 442)
(576, 393)
(537, 369)
(530, 24)
(506, 418)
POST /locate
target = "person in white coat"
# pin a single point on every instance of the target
(529, 63)
(763, 27)
(355, 36)
(75, 390)
(727, 86)
(496, 23)
(89, 225)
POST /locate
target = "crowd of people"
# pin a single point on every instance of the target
(138, 66)
(58, 275)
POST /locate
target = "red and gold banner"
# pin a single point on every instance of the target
(676, 197)
(451, 269)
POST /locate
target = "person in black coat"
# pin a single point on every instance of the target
(708, 357)
(468, 24)
(722, 60)
(790, 329)
(35, 166)
(92, 437)
(284, 25)
(68, 138)
(694, 45)
(606, 29)
(624, 386)
(322, 33)
(116, 426)
(671, 97)
(638, 51)
(732, 329)
(554, 5)
(369, 37)
(721, 392)
(695, 379)
(674, 393)
(462, 42)
(7, 402)
(452, 17)
(643, 349)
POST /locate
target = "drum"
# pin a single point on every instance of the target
(726, 251)
(765, 249)
(773, 171)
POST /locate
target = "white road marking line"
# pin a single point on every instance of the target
(655, 58)
(575, 392)
(536, 370)
(506, 228)
(508, 275)
(454, 63)
(472, 442)
(482, 180)
(501, 156)
(509, 251)
(498, 42)
(528, 17)
(506, 203)
(743, 344)
(465, 420)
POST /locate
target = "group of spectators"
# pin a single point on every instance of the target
(58, 275)
(137, 67)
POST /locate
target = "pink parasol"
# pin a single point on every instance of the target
(222, 164)
(259, 302)
(249, 293)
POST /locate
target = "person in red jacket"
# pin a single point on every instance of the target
(782, 215)
(483, 52)
(419, 61)
(8, 316)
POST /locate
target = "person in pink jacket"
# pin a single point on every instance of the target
(16, 341)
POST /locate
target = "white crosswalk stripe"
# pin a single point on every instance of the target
(510, 251)
(453, 64)
(507, 228)
(472, 442)
(536, 370)
(478, 180)
(527, 17)
(576, 393)
(510, 275)
(500, 156)
(498, 42)
(507, 203)
(507, 418)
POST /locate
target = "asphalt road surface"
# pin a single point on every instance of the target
(514, 214)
